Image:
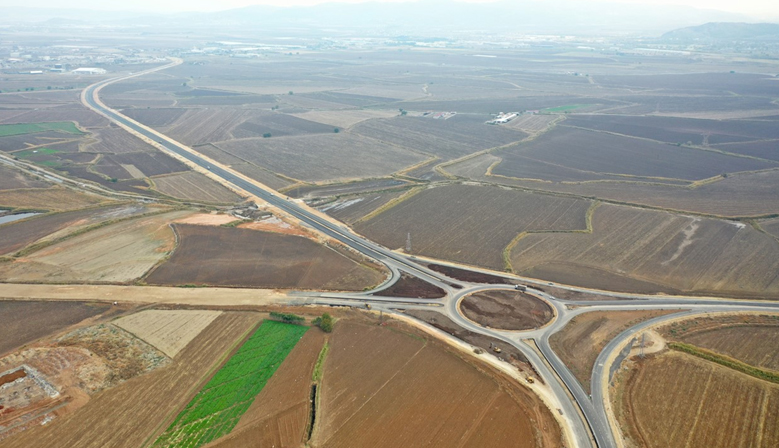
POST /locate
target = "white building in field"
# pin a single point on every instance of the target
(89, 71)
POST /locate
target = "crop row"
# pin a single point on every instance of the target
(219, 405)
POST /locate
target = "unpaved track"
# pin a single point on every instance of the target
(143, 294)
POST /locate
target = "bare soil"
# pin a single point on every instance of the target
(471, 276)
(506, 310)
(413, 287)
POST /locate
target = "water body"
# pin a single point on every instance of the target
(11, 218)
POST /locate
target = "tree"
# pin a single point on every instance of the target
(266, 135)
(287, 317)
(336, 130)
(291, 92)
(325, 322)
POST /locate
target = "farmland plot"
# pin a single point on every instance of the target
(372, 371)
(15, 236)
(352, 209)
(157, 117)
(168, 330)
(281, 412)
(771, 226)
(69, 112)
(679, 252)
(278, 125)
(345, 118)
(316, 191)
(448, 139)
(114, 140)
(764, 149)
(597, 152)
(738, 410)
(219, 405)
(677, 130)
(120, 252)
(326, 157)
(11, 179)
(22, 322)
(54, 198)
(194, 186)
(240, 257)
(144, 403)
(744, 194)
(200, 126)
(442, 221)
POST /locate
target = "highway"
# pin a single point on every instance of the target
(587, 419)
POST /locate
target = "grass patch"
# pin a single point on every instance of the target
(33, 128)
(36, 152)
(726, 361)
(219, 405)
(320, 362)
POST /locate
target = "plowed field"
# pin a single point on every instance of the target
(194, 187)
(240, 257)
(679, 252)
(471, 224)
(675, 399)
(372, 371)
(168, 330)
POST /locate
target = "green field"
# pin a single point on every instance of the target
(33, 128)
(35, 152)
(219, 405)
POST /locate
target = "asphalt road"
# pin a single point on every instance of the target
(594, 423)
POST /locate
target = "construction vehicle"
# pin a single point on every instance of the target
(530, 380)
(521, 288)
(496, 349)
(367, 306)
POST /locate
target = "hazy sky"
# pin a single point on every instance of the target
(757, 8)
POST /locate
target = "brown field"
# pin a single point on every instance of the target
(207, 219)
(23, 322)
(372, 370)
(120, 252)
(506, 310)
(448, 139)
(471, 224)
(337, 190)
(15, 236)
(642, 250)
(70, 112)
(157, 117)
(115, 140)
(745, 194)
(239, 257)
(145, 404)
(471, 276)
(675, 399)
(54, 198)
(200, 126)
(345, 118)
(194, 187)
(263, 176)
(765, 149)
(352, 209)
(278, 125)
(752, 339)
(573, 154)
(580, 342)
(280, 414)
(413, 287)
(326, 157)
(11, 180)
(167, 330)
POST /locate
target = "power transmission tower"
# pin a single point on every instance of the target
(408, 243)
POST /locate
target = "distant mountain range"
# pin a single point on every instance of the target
(727, 31)
(422, 17)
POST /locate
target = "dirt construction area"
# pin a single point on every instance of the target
(506, 310)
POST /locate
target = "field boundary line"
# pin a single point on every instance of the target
(408, 195)
(507, 265)
(726, 361)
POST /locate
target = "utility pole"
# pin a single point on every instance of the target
(408, 243)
